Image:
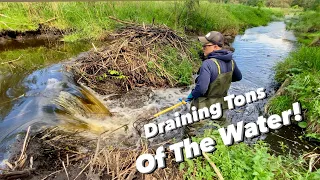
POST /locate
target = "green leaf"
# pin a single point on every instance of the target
(302, 124)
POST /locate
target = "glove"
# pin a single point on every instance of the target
(189, 98)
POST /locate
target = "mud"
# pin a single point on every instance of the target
(19, 40)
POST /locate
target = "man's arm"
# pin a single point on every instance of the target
(203, 81)
(236, 76)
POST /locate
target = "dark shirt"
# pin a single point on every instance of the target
(208, 71)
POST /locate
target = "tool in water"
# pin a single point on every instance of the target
(138, 124)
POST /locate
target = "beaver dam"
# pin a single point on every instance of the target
(119, 86)
(140, 56)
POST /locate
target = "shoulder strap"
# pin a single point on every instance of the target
(218, 66)
(232, 64)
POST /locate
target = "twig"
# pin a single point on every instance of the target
(95, 154)
(4, 15)
(8, 62)
(8, 164)
(17, 174)
(49, 20)
(121, 21)
(213, 166)
(114, 130)
(13, 99)
(295, 142)
(67, 159)
(51, 174)
(95, 49)
(24, 144)
(65, 169)
(82, 170)
(6, 25)
(31, 162)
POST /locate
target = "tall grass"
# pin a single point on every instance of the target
(304, 59)
(90, 19)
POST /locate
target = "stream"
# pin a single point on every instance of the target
(27, 98)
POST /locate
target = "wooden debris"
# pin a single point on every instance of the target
(135, 58)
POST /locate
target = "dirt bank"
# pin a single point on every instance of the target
(12, 39)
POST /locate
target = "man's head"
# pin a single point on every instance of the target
(213, 41)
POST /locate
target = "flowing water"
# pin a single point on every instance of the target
(27, 98)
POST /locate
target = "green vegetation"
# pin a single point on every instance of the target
(91, 19)
(307, 27)
(179, 67)
(242, 161)
(306, 4)
(302, 68)
(280, 104)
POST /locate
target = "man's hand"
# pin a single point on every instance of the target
(189, 98)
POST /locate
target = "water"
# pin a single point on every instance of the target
(27, 94)
(28, 97)
(256, 53)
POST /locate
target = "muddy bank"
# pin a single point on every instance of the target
(10, 39)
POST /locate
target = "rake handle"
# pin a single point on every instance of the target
(170, 108)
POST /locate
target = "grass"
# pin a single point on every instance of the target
(303, 68)
(89, 20)
(179, 67)
(304, 59)
(280, 104)
(242, 161)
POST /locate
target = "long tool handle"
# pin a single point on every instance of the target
(213, 166)
(170, 108)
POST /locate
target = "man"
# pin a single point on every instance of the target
(216, 73)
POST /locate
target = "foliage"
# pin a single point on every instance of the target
(241, 161)
(307, 4)
(306, 26)
(279, 3)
